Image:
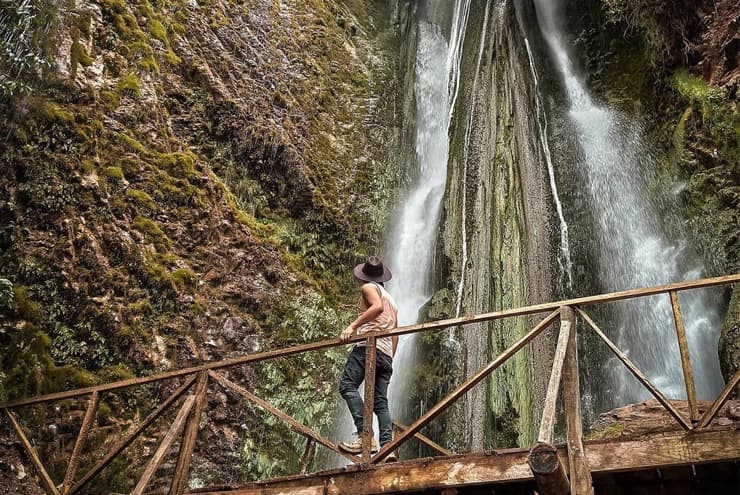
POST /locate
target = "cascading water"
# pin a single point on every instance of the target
(634, 249)
(412, 245)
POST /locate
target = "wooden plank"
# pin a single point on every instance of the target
(424, 439)
(580, 474)
(182, 468)
(132, 436)
(548, 471)
(501, 467)
(636, 372)
(547, 424)
(297, 426)
(437, 473)
(437, 325)
(720, 401)
(31, 451)
(164, 447)
(683, 346)
(69, 477)
(480, 375)
(371, 353)
(664, 450)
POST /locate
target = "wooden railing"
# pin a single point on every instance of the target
(548, 470)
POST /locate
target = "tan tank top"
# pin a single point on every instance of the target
(387, 320)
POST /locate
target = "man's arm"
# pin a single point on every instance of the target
(395, 343)
(371, 294)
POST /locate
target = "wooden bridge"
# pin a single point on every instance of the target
(697, 450)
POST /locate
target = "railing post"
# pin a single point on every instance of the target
(580, 475)
(549, 473)
(87, 421)
(367, 433)
(187, 444)
(688, 372)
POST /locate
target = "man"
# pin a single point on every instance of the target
(377, 311)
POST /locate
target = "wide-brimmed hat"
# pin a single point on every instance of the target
(373, 270)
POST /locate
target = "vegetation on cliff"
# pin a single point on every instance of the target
(186, 181)
(676, 61)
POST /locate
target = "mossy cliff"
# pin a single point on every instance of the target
(676, 64)
(188, 181)
(496, 203)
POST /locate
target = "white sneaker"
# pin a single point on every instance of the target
(354, 444)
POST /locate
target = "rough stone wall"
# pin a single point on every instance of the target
(507, 227)
(188, 182)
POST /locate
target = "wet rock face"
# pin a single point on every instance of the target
(729, 340)
(187, 183)
(497, 186)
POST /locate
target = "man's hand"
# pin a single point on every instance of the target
(346, 334)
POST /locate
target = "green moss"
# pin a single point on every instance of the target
(24, 306)
(171, 57)
(184, 277)
(141, 307)
(199, 306)
(114, 5)
(152, 232)
(159, 31)
(694, 88)
(55, 113)
(110, 99)
(78, 56)
(104, 412)
(141, 198)
(129, 84)
(178, 164)
(612, 431)
(113, 173)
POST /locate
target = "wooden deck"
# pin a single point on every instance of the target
(700, 455)
(671, 460)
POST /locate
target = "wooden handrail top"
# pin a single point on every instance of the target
(324, 344)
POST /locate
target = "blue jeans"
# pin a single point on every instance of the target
(353, 376)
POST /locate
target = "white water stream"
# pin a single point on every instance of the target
(410, 252)
(634, 249)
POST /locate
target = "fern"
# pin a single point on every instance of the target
(24, 27)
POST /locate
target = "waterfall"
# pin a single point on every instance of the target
(411, 249)
(634, 249)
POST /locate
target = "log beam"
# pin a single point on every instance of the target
(69, 477)
(508, 466)
(683, 346)
(164, 447)
(187, 445)
(549, 472)
(121, 445)
(547, 424)
(580, 474)
(371, 353)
